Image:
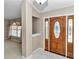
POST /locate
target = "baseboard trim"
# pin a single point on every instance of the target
(59, 54)
(23, 57)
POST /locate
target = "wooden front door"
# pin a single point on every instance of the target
(58, 35)
(70, 35)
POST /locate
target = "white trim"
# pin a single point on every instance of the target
(49, 29)
(35, 34)
(23, 57)
(49, 36)
(36, 9)
(58, 15)
(66, 36)
(43, 33)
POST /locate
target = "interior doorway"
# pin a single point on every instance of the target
(13, 38)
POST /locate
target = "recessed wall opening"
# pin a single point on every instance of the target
(35, 25)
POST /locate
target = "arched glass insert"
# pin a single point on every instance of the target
(57, 29)
(70, 30)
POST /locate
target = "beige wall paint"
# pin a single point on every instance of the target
(38, 27)
(6, 27)
(29, 41)
(41, 30)
(35, 13)
(35, 25)
(37, 33)
(26, 28)
(62, 11)
(36, 40)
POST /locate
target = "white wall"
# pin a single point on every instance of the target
(38, 27)
(29, 42)
(26, 28)
(36, 41)
(62, 11)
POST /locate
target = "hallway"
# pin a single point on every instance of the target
(12, 50)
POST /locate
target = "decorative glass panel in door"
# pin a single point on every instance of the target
(70, 30)
(70, 35)
(46, 33)
(58, 34)
(47, 30)
(57, 29)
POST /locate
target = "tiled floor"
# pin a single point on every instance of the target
(13, 51)
(41, 54)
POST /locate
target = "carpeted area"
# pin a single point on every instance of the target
(12, 50)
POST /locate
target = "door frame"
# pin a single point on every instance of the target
(71, 17)
(49, 29)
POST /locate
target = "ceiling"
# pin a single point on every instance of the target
(12, 8)
(57, 4)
